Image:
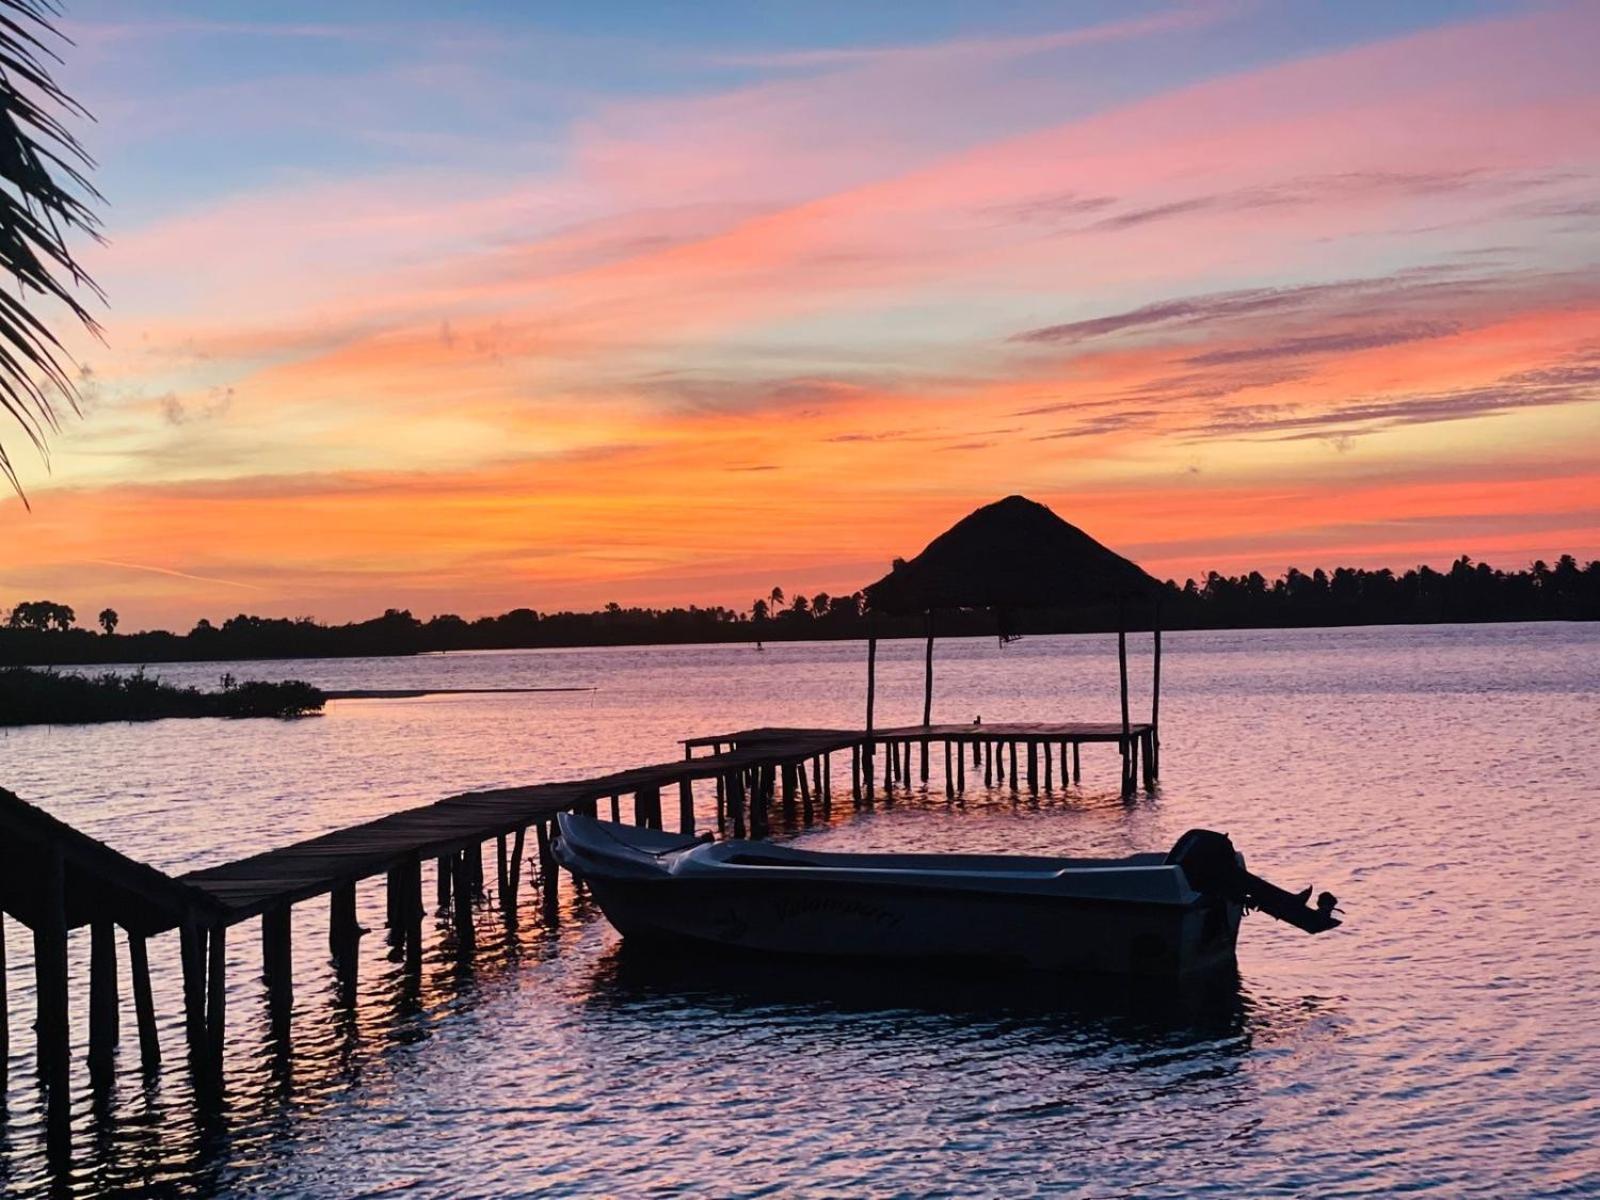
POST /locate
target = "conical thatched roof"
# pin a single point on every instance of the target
(1010, 555)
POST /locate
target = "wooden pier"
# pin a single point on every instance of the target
(54, 878)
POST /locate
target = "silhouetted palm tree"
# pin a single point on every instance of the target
(48, 196)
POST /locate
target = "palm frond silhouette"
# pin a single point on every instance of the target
(45, 197)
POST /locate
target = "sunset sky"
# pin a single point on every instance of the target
(460, 307)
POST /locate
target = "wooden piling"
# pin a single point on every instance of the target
(277, 958)
(144, 1009)
(104, 1010)
(343, 932)
(50, 991)
(192, 945)
(1012, 747)
(5, 1019)
(735, 791)
(466, 931)
(443, 884)
(411, 944)
(547, 858)
(1033, 766)
(647, 808)
(216, 996)
(949, 772)
(1077, 764)
(1049, 763)
(397, 903)
(685, 806)
(759, 802)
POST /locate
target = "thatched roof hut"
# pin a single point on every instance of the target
(1010, 555)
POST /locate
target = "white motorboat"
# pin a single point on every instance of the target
(1146, 914)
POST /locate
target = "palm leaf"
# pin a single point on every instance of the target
(45, 196)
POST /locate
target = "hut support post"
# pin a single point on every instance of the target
(872, 679)
(927, 691)
(1153, 752)
(1126, 743)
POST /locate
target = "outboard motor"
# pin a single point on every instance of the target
(1212, 868)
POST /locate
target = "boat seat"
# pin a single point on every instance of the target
(766, 860)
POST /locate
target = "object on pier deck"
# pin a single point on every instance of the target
(1012, 556)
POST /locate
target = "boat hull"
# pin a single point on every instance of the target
(918, 923)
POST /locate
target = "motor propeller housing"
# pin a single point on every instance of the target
(1212, 867)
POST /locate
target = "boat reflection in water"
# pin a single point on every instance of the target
(1208, 1004)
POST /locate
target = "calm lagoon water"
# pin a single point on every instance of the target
(1441, 781)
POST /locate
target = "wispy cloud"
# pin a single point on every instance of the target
(1573, 382)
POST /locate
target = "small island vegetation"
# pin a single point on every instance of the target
(33, 697)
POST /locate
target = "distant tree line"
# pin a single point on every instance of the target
(44, 632)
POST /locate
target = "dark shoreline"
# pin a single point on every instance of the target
(888, 634)
(42, 633)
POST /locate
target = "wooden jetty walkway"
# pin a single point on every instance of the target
(54, 878)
